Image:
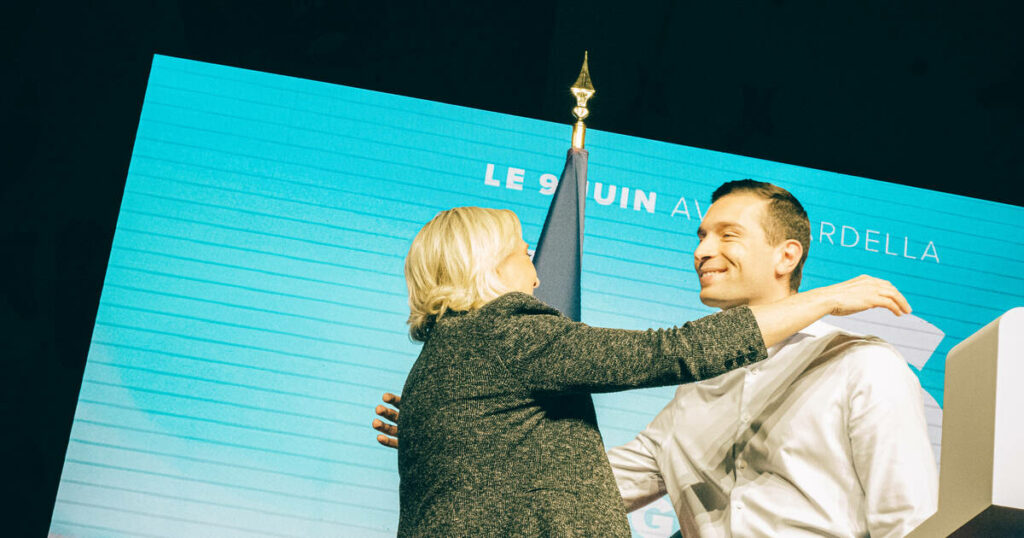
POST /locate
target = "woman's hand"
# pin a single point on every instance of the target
(861, 293)
(786, 317)
(390, 431)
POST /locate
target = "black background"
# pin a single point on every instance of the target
(924, 93)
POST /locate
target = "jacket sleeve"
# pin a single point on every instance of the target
(550, 353)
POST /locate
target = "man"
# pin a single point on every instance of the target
(832, 442)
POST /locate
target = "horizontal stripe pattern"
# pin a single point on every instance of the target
(254, 302)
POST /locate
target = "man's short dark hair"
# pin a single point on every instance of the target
(785, 218)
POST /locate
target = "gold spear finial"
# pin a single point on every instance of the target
(583, 90)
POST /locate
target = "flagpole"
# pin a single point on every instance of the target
(583, 90)
(559, 254)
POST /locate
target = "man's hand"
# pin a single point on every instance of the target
(390, 431)
(862, 293)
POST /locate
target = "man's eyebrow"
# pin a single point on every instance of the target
(703, 229)
(724, 225)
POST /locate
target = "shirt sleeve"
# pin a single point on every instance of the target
(636, 472)
(889, 440)
(550, 353)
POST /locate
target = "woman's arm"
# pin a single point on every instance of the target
(549, 353)
(776, 322)
(784, 318)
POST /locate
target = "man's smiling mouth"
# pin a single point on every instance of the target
(709, 275)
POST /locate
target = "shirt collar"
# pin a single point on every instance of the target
(817, 329)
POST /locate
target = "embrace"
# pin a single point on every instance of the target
(782, 425)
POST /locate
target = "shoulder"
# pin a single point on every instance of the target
(867, 361)
(517, 304)
(859, 352)
(877, 373)
(873, 358)
(508, 316)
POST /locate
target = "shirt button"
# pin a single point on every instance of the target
(745, 418)
(741, 465)
(754, 371)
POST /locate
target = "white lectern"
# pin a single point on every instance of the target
(981, 482)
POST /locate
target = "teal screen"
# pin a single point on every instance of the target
(253, 308)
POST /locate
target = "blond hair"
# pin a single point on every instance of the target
(451, 265)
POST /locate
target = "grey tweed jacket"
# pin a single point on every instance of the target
(499, 436)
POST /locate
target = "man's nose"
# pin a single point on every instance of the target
(705, 249)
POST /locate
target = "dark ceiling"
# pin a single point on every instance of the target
(923, 93)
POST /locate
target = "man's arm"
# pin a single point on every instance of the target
(889, 438)
(636, 472)
(389, 430)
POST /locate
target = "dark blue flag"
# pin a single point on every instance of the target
(558, 256)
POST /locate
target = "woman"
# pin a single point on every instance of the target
(499, 435)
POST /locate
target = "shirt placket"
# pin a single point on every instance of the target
(738, 510)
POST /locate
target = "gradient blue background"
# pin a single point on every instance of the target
(253, 306)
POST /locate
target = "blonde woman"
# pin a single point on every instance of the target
(498, 432)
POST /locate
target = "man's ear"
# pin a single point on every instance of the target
(787, 256)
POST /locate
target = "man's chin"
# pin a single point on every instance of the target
(716, 301)
(709, 299)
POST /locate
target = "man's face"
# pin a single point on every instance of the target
(734, 261)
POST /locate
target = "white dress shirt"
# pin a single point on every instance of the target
(825, 438)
